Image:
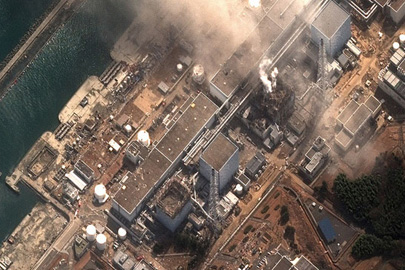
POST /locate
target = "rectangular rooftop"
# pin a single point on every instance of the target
(357, 120)
(162, 157)
(330, 19)
(146, 177)
(348, 111)
(194, 119)
(219, 152)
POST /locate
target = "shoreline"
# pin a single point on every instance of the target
(30, 47)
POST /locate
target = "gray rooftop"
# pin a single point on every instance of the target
(272, 260)
(169, 148)
(195, 117)
(296, 123)
(133, 148)
(304, 264)
(283, 264)
(314, 162)
(142, 265)
(254, 164)
(357, 120)
(344, 138)
(373, 104)
(84, 168)
(123, 261)
(137, 186)
(330, 19)
(348, 111)
(382, 3)
(397, 4)
(219, 152)
(343, 60)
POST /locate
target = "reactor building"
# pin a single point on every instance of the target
(198, 115)
(332, 26)
(173, 204)
(222, 156)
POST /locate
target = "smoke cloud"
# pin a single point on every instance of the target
(268, 84)
(215, 28)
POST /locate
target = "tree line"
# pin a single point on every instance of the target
(376, 203)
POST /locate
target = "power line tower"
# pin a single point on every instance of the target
(322, 81)
(215, 220)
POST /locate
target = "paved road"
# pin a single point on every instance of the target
(60, 243)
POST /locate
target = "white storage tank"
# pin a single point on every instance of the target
(101, 242)
(179, 67)
(143, 138)
(402, 39)
(100, 193)
(238, 189)
(395, 46)
(122, 233)
(198, 74)
(91, 233)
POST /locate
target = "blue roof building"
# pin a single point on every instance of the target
(327, 230)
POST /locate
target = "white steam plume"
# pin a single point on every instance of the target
(268, 84)
(254, 3)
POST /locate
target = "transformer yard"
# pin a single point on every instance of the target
(186, 156)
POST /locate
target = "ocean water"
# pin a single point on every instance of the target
(77, 50)
(16, 17)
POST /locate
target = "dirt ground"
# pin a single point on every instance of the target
(34, 236)
(266, 232)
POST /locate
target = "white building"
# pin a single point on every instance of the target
(353, 119)
(133, 153)
(333, 26)
(222, 156)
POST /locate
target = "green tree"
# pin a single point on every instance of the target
(289, 233)
(284, 215)
(369, 245)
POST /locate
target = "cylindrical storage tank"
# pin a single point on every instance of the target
(395, 46)
(91, 233)
(179, 67)
(122, 233)
(402, 39)
(198, 74)
(100, 193)
(101, 242)
(239, 189)
(128, 128)
(143, 138)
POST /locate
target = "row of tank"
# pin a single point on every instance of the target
(101, 239)
(396, 44)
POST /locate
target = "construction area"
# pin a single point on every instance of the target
(175, 159)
